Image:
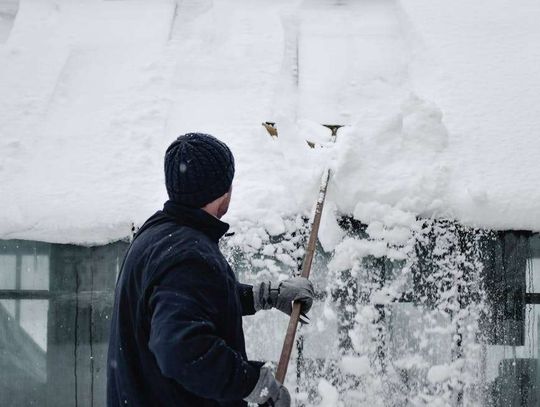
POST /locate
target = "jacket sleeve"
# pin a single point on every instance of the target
(245, 292)
(184, 340)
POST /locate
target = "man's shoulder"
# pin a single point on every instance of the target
(187, 256)
(164, 245)
(188, 240)
(173, 243)
(166, 233)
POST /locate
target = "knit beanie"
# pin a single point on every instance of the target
(198, 169)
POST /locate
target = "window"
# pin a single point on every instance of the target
(55, 305)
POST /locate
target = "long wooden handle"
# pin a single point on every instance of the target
(288, 343)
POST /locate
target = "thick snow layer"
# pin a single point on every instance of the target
(439, 99)
(80, 105)
(478, 61)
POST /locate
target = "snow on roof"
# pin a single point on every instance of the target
(439, 100)
(478, 61)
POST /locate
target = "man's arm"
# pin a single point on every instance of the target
(245, 292)
(184, 340)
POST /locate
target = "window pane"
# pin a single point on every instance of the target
(33, 320)
(8, 310)
(35, 272)
(533, 277)
(7, 271)
(23, 373)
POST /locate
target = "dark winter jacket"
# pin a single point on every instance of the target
(176, 334)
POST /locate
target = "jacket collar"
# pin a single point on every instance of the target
(196, 218)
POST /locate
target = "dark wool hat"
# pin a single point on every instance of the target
(198, 169)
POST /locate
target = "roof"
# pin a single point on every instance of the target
(440, 100)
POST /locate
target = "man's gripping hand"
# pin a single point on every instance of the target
(267, 295)
(268, 391)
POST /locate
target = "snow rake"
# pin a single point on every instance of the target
(290, 335)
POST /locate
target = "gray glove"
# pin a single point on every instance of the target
(269, 390)
(265, 296)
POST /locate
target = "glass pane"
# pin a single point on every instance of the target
(533, 278)
(35, 272)
(7, 271)
(23, 374)
(33, 319)
(8, 308)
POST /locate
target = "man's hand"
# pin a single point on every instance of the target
(269, 391)
(281, 296)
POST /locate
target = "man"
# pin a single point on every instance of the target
(176, 333)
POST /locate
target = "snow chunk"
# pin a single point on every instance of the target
(330, 233)
(350, 250)
(394, 162)
(355, 365)
(274, 225)
(444, 372)
(422, 126)
(439, 373)
(329, 394)
(328, 311)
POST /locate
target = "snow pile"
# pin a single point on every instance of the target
(395, 161)
(478, 62)
(93, 92)
(390, 171)
(81, 103)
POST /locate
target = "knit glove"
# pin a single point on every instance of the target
(268, 391)
(281, 295)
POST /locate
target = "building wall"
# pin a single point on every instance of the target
(56, 301)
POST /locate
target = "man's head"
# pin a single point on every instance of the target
(199, 170)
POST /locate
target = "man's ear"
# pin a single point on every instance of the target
(224, 201)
